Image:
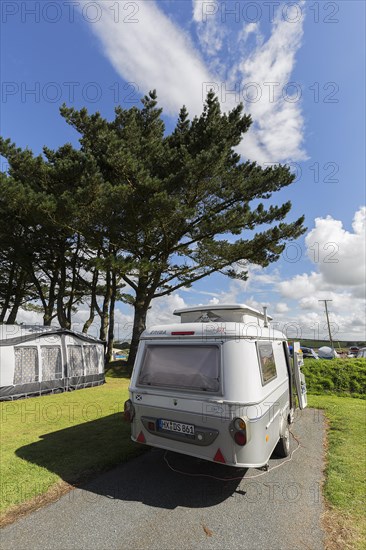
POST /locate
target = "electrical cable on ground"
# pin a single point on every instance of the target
(235, 478)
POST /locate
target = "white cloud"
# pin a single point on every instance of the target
(191, 290)
(339, 254)
(249, 29)
(341, 281)
(198, 13)
(156, 53)
(300, 315)
(161, 311)
(281, 307)
(153, 53)
(261, 78)
(277, 134)
(210, 32)
(123, 323)
(26, 317)
(301, 285)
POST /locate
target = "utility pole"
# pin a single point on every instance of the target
(326, 313)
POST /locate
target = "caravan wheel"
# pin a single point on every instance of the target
(283, 446)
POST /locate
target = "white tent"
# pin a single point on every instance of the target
(327, 353)
(36, 360)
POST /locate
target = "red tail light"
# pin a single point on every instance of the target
(141, 438)
(238, 431)
(219, 457)
(240, 438)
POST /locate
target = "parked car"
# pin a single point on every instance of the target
(353, 351)
(306, 352)
(309, 352)
(361, 353)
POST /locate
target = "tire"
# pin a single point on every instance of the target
(282, 449)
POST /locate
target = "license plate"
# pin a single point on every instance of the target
(177, 427)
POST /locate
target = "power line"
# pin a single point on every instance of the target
(326, 313)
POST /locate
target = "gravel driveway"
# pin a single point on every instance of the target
(145, 505)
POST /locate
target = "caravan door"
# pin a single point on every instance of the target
(299, 377)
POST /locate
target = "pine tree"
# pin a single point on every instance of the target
(177, 208)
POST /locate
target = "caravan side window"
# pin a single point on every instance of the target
(26, 365)
(266, 361)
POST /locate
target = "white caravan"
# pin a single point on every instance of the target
(217, 386)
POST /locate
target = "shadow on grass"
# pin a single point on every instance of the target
(117, 369)
(77, 453)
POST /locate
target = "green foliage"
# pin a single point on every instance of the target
(52, 258)
(154, 211)
(171, 205)
(336, 376)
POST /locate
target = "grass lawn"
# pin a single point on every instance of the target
(65, 437)
(345, 485)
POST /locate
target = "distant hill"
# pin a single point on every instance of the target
(306, 342)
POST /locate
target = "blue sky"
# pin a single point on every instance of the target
(303, 62)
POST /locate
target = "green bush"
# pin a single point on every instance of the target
(336, 376)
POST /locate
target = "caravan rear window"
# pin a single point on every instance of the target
(183, 367)
(266, 361)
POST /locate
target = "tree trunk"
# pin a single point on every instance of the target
(49, 307)
(104, 318)
(9, 292)
(61, 314)
(141, 306)
(48, 299)
(93, 302)
(19, 294)
(62, 289)
(111, 318)
(74, 277)
(13, 312)
(47, 317)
